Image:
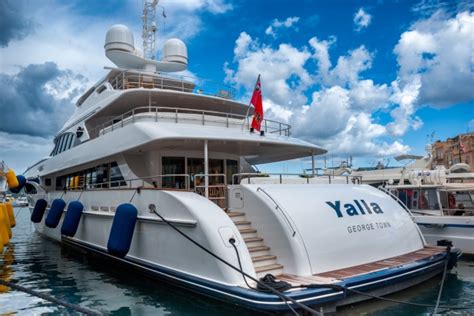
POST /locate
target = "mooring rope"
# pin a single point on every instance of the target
(49, 298)
(282, 296)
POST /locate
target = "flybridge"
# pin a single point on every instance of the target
(357, 207)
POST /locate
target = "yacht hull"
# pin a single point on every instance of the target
(458, 229)
(380, 282)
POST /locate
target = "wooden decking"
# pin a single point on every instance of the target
(336, 275)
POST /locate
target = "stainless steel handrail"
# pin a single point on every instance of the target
(397, 199)
(278, 207)
(108, 184)
(129, 79)
(119, 121)
(249, 175)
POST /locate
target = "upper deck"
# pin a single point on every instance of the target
(133, 79)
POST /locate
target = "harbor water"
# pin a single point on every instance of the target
(48, 267)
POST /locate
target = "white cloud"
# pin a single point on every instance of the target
(19, 151)
(470, 125)
(347, 69)
(242, 45)
(436, 63)
(277, 24)
(338, 115)
(361, 19)
(439, 50)
(282, 70)
(369, 97)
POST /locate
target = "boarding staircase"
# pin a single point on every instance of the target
(263, 260)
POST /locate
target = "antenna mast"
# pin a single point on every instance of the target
(149, 28)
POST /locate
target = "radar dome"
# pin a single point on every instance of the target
(119, 37)
(175, 51)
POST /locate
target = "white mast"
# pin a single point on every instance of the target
(149, 28)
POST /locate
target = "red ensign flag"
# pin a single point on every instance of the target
(256, 101)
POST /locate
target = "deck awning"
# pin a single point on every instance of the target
(257, 151)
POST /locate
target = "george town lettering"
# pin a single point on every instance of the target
(359, 207)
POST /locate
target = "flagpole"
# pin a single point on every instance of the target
(250, 104)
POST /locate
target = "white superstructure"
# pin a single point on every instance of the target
(442, 204)
(182, 147)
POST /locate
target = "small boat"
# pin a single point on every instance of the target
(156, 172)
(21, 201)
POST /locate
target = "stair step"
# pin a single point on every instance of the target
(269, 267)
(257, 251)
(263, 258)
(235, 214)
(247, 230)
(242, 223)
(253, 241)
(258, 248)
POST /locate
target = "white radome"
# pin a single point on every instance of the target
(175, 51)
(119, 37)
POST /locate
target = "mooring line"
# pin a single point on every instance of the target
(49, 298)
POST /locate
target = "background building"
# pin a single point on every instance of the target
(454, 150)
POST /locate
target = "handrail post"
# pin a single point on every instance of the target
(176, 119)
(281, 178)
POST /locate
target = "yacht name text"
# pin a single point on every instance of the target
(359, 207)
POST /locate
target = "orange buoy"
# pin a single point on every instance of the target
(11, 214)
(12, 180)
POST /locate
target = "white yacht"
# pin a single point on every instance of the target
(155, 172)
(443, 210)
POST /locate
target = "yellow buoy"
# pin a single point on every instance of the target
(3, 225)
(1, 235)
(6, 220)
(12, 180)
(11, 215)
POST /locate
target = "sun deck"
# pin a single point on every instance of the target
(341, 274)
(132, 79)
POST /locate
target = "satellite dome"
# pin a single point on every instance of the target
(175, 51)
(119, 37)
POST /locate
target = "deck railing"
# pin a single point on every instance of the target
(186, 115)
(238, 177)
(130, 79)
(150, 182)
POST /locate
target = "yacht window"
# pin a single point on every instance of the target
(427, 199)
(101, 89)
(55, 149)
(173, 165)
(60, 183)
(216, 166)
(116, 178)
(195, 166)
(103, 176)
(70, 137)
(47, 182)
(62, 145)
(232, 168)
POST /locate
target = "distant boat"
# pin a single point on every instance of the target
(21, 201)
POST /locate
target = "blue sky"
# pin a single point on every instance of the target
(371, 79)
